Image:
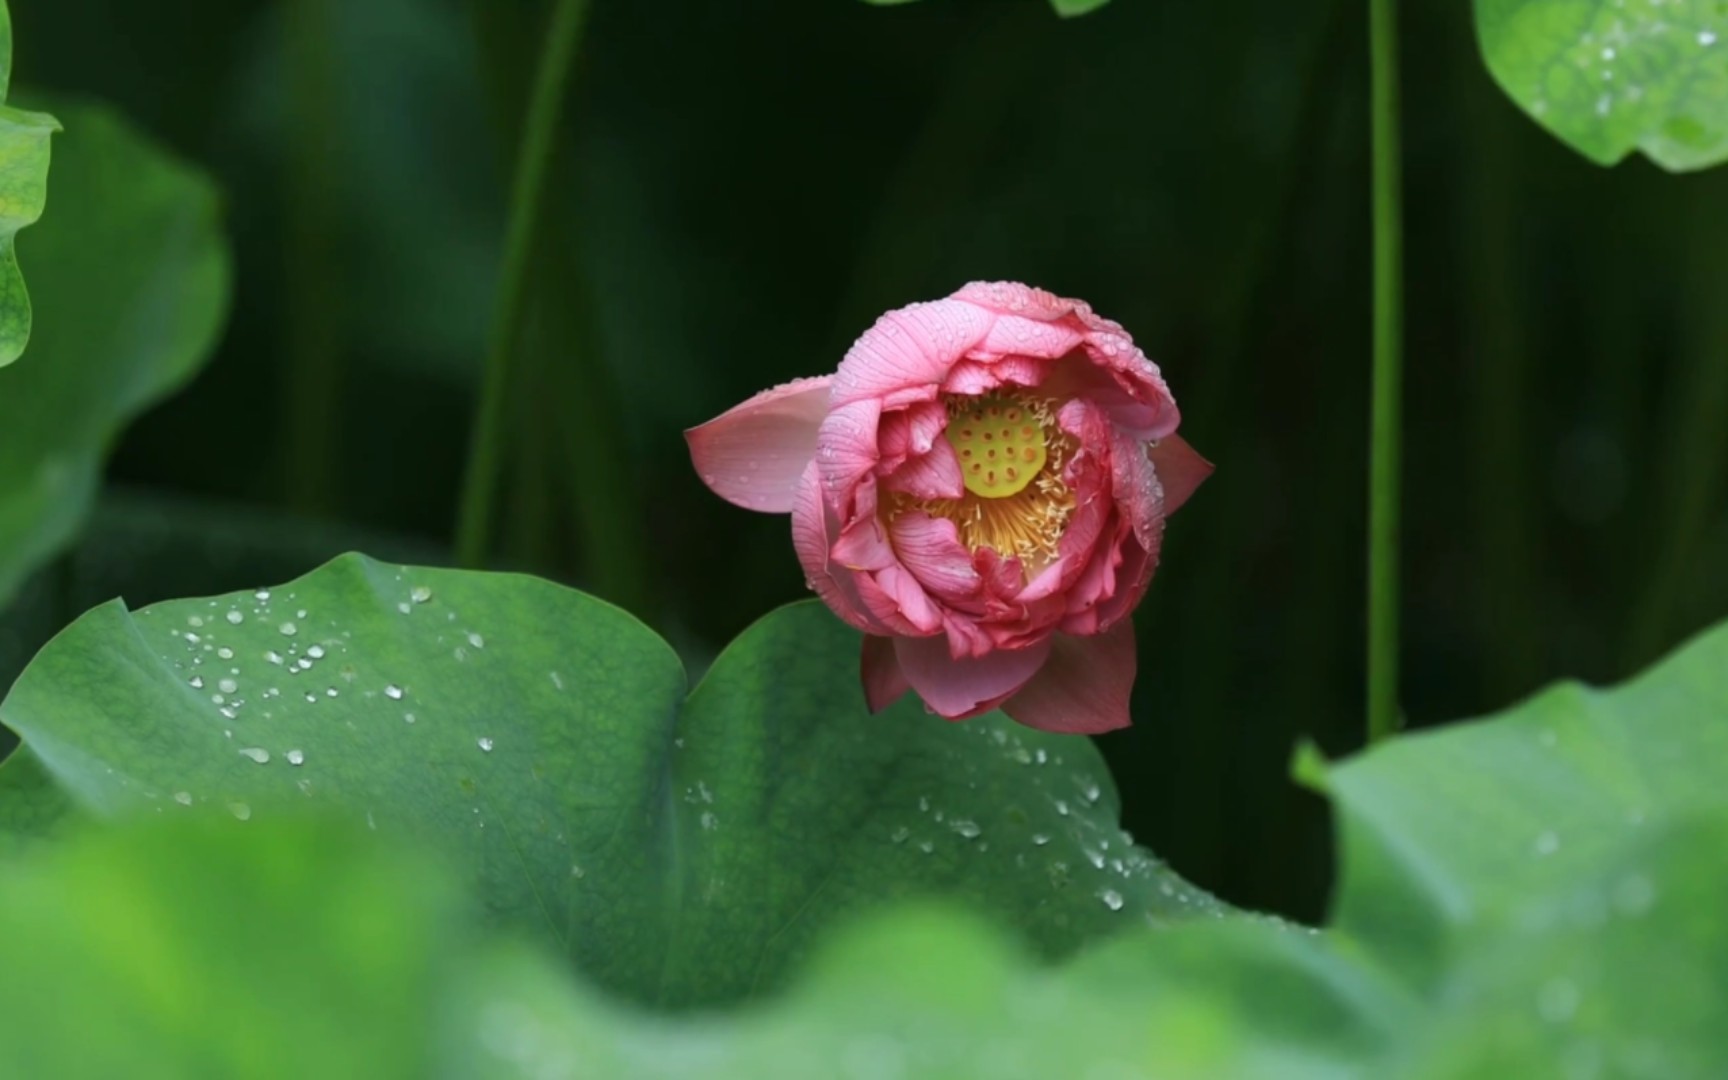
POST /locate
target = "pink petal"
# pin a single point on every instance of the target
(752, 454)
(1180, 470)
(1011, 297)
(909, 348)
(1016, 335)
(958, 689)
(910, 432)
(930, 547)
(812, 526)
(846, 450)
(880, 671)
(934, 474)
(1083, 688)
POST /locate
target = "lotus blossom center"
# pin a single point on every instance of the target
(1000, 444)
(1012, 453)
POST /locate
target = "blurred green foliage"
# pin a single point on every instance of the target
(741, 188)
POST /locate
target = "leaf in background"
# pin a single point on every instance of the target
(281, 952)
(679, 854)
(23, 190)
(130, 276)
(1609, 79)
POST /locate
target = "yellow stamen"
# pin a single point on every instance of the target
(1011, 455)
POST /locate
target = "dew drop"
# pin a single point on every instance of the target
(1112, 899)
(968, 829)
(330, 692)
(1706, 37)
(1547, 843)
(393, 692)
(408, 717)
(197, 682)
(240, 810)
(195, 620)
(225, 653)
(256, 753)
(1040, 839)
(476, 640)
(262, 594)
(235, 618)
(403, 607)
(420, 594)
(900, 834)
(709, 821)
(485, 744)
(273, 656)
(227, 686)
(184, 798)
(316, 652)
(288, 629)
(296, 757)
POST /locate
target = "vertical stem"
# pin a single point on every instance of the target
(479, 486)
(1385, 422)
(313, 332)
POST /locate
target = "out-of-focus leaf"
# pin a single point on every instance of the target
(1608, 79)
(23, 191)
(130, 277)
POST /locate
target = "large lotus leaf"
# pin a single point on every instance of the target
(23, 191)
(1608, 79)
(130, 281)
(677, 851)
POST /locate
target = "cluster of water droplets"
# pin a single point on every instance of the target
(263, 661)
(1056, 823)
(1630, 44)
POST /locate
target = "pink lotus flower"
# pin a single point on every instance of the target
(981, 488)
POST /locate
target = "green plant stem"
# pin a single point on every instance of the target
(1385, 422)
(534, 155)
(312, 338)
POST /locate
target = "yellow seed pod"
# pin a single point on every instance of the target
(1000, 445)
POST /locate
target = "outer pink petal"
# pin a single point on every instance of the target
(911, 347)
(812, 527)
(1083, 688)
(1180, 470)
(958, 689)
(753, 454)
(884, 684)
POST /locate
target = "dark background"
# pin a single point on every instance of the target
(743, 186)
